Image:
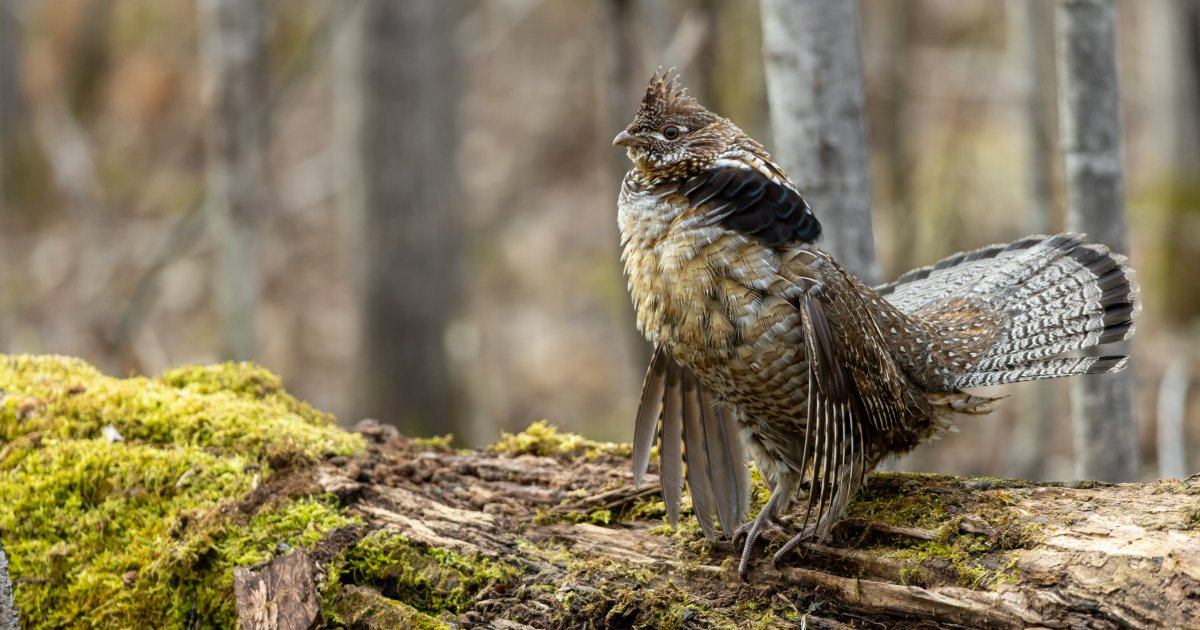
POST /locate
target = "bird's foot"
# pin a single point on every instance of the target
(809, 533)
(772, 522)
(752, 531)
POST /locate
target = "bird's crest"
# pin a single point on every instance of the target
(665, 94)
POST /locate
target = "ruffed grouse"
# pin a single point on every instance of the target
(763, 340)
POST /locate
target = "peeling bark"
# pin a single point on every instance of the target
(282, 597)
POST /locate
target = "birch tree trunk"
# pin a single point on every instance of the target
(1031, 25)
(233, 48)
(397, 123)
(1090, 120)
(1172, 418)
(815, 89)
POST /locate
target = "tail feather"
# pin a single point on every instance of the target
(1050, 295)
(1046, 369)
(1080, 300)
(957, 261)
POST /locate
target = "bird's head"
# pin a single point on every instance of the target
(672, 135)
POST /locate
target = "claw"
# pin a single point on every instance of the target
(741, 532)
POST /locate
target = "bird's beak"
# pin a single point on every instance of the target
(624, 138)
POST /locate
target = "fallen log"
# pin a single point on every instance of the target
(209, 497)
(570, 543)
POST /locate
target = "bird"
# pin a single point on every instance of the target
(764, 344)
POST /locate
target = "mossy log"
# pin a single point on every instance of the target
(229, 503)
(583, 548)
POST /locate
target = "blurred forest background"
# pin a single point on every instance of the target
(417, 199)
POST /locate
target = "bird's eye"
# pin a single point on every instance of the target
(670, 132)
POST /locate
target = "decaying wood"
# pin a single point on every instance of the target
(8, 612)
(1060, 556)
(283, 596)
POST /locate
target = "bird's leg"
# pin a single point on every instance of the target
(755, 528)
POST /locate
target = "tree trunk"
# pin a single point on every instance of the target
(12, 114)
(397, 103)
(233, 47)
(927, 551)
(815, 89)
(1031, 26)
(1090, 120)
(892, 110)
(12, 107)
(1172, 418)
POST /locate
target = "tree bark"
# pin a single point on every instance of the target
(1090, 120)
(815, 90)
(399, 135)
(233, 47)
(9, 620)
(1031, 26)
(983, 553)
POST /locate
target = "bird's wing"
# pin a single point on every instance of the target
(693, 428)
(854, 390)
(746, 201)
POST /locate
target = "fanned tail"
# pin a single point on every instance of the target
(1053, 295)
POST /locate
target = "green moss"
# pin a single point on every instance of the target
(938, 503)
(646, 510)
(904, 500)
(364, 608)
(971, 559)
(234, 409)
(149, 528)
(595, 517)
(759, 494)
(440, 442)
(430, 580)
(544, 439)
(653, 604)
(1193, 517)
